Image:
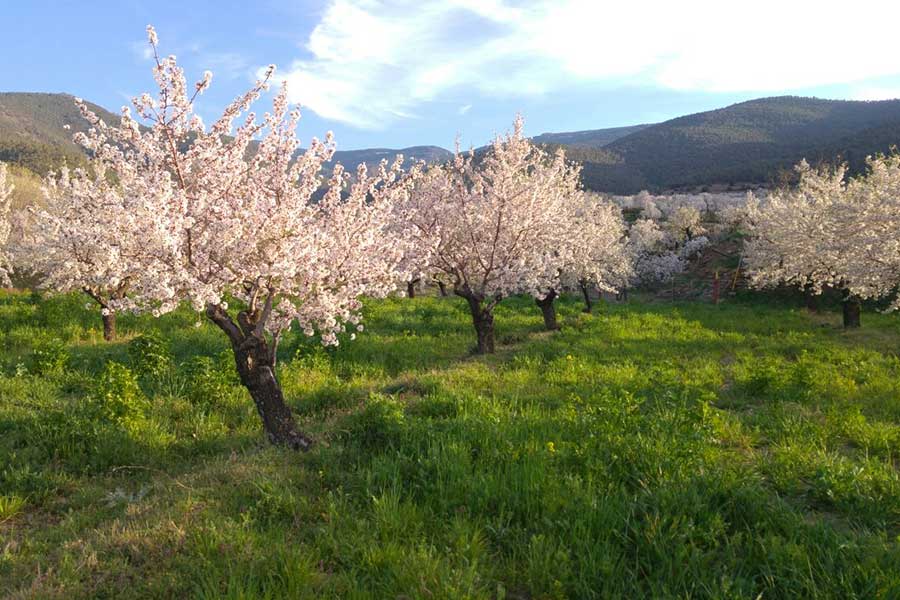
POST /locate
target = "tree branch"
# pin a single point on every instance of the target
(223, 320)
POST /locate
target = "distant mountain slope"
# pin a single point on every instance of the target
(595, 138)
(32, 133)
(41, 117)
(743, 144)
(373, 156)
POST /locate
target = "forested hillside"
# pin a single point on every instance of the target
(373, 156)
(33, 135)
(32, 132)
(595, 138)
(743, 145)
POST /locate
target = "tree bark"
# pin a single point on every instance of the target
(548, 310)
(109, 326)
(254, 358)
(852, 310)
(109, 320)
(411, 288)
(588, 303)
(442, 287)
(482, 320)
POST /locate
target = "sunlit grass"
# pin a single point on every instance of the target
(649, 450)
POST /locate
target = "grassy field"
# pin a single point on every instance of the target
(650, 450)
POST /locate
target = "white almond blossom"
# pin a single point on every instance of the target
(171, 210)
(497, 224)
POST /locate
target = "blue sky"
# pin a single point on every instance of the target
(397, 73)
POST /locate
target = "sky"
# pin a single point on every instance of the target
(398, 73)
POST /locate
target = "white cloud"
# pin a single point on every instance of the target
(372, 61)
(464, 109)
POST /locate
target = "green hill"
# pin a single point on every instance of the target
(33, 135)
(595, 138)
(373, 156)
(742, 145)
(32, 131)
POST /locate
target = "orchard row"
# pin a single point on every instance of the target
(172, 210)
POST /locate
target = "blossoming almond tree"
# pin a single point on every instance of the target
(683, 223)
(601, 260)
(804, 237)
(591, 255)
(6, 189)
(869, 222)
(84, 235)
(230, 212)
(651, 256)
(492, 220)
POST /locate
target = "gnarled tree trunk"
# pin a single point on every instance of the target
(255, 359)
(442, 287)
(482, 319)
(586, 292)
(411, 288)
(548, 310)
(851, 311)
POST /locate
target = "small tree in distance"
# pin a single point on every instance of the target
(650, 254)
(591, 255)
(85, 235)
(493, 221)
(598, 254)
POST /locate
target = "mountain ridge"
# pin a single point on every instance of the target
(589, 138)
(743, 145)
(32, 134)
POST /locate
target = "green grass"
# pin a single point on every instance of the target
(651, 450)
